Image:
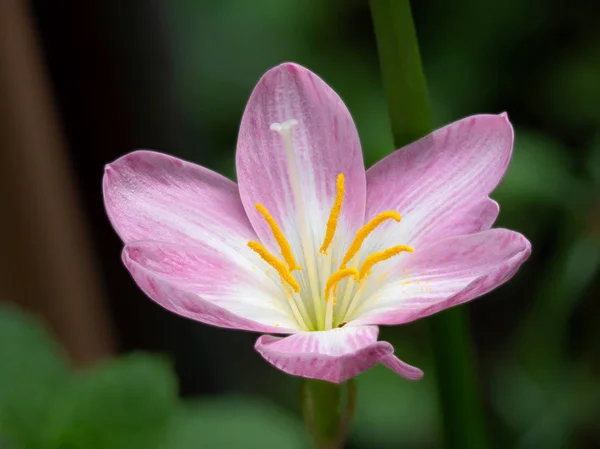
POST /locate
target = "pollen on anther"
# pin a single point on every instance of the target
(336, 278)
(374, 258)
(367, 229)
(334, 214)
(275, 263)
(284, 246)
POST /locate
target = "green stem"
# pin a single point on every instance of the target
(327, 423)
(410, 117)
(403, 79)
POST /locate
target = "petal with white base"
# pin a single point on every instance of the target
(295, 138)
(200, 283)
(335, 355)
(153, 196)
(440, 183)
(447, 273)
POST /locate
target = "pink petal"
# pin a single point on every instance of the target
(152, 196)
(335, 355)
(326, 144)
(447, 273)
(440, 184)
(200, 283)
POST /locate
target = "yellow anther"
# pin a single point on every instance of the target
(365, 231)
(284, 246)
(335, 278)
(275, 263)
(365, 268)
(334, 214)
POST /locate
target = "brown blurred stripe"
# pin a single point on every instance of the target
(46, 263)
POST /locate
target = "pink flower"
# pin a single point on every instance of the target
(308, 243)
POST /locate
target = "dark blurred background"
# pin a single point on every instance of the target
(82, 83)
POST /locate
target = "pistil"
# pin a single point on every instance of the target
(285, 132)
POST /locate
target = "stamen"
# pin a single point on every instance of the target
(364, 232)
(284, 246)
(298, 314)
(334, 214)
(275, 263)
(337, 277)
(374, 258)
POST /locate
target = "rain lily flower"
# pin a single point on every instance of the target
(310, 244)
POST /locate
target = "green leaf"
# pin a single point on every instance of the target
(235, 423)
(33, 373)
(125, 404)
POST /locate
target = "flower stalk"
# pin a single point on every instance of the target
(409, 111)
(326, 421)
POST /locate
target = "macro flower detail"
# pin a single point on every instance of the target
(310, 244)
(328, 296)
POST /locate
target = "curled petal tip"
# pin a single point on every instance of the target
(504, 115)
(402, 368)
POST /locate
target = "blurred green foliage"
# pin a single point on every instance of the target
(122, 404)
(127, 403)
(395, 414)
(33, 376)
(236, 422)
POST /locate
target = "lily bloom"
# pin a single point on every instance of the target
(310, 244)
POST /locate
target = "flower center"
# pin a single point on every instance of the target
(286, 265)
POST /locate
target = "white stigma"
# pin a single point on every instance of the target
(285, 130)
(285, 127)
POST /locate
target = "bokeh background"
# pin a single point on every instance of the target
(86, 361)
